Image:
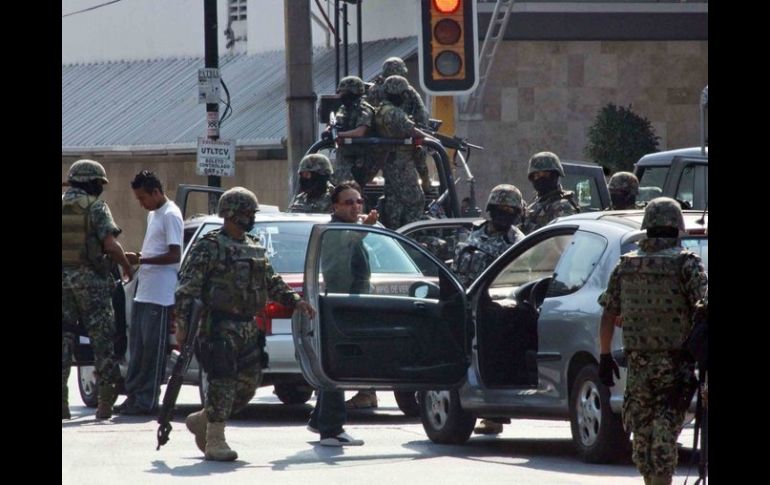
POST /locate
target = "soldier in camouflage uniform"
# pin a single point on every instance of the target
(354, 119)
(228, 270)
(411, 103)
(486, 242)
(623, 187)
(315, 198)
(654, 291)
(404, 199)
(89, 248)
(551, 202)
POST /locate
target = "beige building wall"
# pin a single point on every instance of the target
(543, 95)
(267, 178)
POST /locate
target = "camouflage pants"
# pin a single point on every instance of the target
(231, 389)
(654, 406)
(87, 300)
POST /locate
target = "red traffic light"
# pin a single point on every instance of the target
(446, 6)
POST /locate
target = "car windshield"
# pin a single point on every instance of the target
(285, 242)
(651, 183)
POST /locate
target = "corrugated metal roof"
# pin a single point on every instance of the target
(151, 105)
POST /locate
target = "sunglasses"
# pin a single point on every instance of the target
(352, 201)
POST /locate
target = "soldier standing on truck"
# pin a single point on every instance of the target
(552, 201)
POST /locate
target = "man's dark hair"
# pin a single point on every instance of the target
(342, 186)
(147, 181)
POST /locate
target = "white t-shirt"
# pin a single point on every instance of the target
(157, 282)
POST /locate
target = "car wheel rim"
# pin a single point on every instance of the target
(87, 380)
(437, 405)
(589, 413)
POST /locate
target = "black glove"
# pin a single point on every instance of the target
(608, 366)
(326, 135)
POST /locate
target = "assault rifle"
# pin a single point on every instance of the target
(177, 375)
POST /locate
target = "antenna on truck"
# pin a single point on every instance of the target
(704, 106)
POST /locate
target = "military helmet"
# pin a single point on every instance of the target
(395, 85)
(394, 66)
(85, 171)
(545, 161)
(352, 85)
(624, 182)
(235, 200)
(316, 162)
(506, 195)
(663, 212)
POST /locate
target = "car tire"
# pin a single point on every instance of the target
(407, 403)
(443, 419)
(203, 385)
(89, 392)
(597, 432)
(293, 393)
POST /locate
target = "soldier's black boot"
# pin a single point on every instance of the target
(107, 397)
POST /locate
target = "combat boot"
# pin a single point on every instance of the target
(660, 480)
(107, 397)
(216, 446)
(196, 423)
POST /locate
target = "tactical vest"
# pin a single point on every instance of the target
(655, 312)
(80, 246)
(237, 283)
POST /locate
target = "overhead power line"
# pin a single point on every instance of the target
(89, 8)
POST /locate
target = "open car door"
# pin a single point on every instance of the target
(383, 321)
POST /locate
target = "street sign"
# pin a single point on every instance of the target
(216, 157)
(208, 85)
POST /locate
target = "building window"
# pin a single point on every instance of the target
(236, 10)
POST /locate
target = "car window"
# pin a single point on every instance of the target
(441, 241)
(686, 187)
(579, 260)
(535, 263)
(586, 191)
(356, 262)
(651, 183)
(285, 242)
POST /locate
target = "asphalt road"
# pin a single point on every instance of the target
(274, 447)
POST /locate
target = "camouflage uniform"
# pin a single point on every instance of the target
(234, 279)
(304, 202)
(352, 160)
(86, 281)
(404, 199)
(412, 106)
(655, 290)
(553, 204)
(623, 188)
(485, 243)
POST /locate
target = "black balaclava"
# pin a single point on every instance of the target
(315, 184)
(92, 187)
(245, 222)
(395, 99)
(543, 185)
(502, 221)
(348, 99)
(622, 200)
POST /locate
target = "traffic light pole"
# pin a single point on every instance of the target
(300, 98)
(211, 61)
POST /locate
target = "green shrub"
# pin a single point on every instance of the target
(619, 137)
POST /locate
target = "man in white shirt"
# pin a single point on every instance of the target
(154, 298)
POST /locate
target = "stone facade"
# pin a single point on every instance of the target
(543, 95)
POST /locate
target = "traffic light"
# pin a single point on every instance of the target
(447, 46)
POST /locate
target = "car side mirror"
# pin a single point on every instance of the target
(424, 289)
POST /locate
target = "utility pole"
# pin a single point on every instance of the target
(300, 98)
(211, 61)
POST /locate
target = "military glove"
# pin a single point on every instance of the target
(607, 367)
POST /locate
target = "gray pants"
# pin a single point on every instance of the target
(148, 344)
